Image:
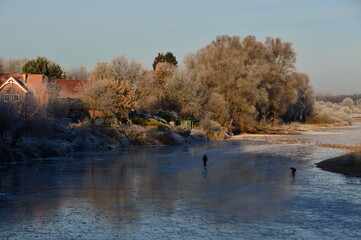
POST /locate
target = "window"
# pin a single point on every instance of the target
(6, 97)
(16, 98)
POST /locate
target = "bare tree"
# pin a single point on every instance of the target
(16, 120)
(124, 70)
(2, 63)
(108, 98)
(181, 94)
(101, 71)
(15, 65)
(216, 108)
(125, 99)
(223, 69)
(80, 73)
(96, 97)
(153, 88)
(253, 81)
(280, 60)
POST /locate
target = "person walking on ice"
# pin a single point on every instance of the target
(205, 159)
(293, 172)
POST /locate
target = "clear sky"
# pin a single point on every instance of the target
(326, 34)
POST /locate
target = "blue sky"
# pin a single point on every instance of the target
(326, 34)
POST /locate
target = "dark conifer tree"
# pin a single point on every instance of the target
(168, 57)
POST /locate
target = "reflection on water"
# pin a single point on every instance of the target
(245, 190)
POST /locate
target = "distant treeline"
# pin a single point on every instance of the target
(336, 98)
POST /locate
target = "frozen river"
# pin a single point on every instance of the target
(165, 193)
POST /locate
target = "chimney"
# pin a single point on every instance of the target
(25, 78)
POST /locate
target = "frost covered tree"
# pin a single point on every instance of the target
(303, 107)
(79, 73)
(348, 102)
(14, 66)
(101, 71)
(18, 120)
(125, 99)
(153, 88)
(108, 98)
(253, 81)
(223, 69)
(280, 61)
(124, 70)
(2, 63)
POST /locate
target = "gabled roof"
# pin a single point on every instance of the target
(17, 82)
(25, 78)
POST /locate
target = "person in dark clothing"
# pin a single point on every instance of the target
(205, 159)
(293, 172)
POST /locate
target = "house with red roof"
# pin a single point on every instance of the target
(17, 88)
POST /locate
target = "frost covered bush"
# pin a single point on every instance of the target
(181, 131)
(166, 137)
(139, 135)
(198, 134)
(88, 137)
(210, 125)
(331, 113)
(213, 129)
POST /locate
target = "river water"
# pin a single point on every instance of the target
(165, 193)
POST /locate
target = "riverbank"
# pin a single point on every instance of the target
(59, 139)
(349, 164)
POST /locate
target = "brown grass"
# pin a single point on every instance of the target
(288, 141)
(352, 148)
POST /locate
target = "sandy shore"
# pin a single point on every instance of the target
(349, 164)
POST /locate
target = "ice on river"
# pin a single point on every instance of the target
(165, 193)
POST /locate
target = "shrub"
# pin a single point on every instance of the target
(331, 113)
(210, 126)
(169, 116)
(150, 122)
(213, 129)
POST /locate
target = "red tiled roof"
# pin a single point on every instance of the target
(68, 88)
